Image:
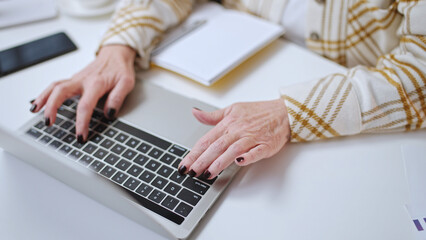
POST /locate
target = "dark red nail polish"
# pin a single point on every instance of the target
(33, 107)
(240, 159)
(192, 173)
(32, 101)
(80, 139)
(196, 108)
(206, 174)
(182, 170)
(47, 121)
(111, 113)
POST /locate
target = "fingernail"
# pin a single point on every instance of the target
(240, 159)
(192, 173)
(196, 108)
(206, 174)
(33, 107)
(111, 113)
(182, 170)
(47, 121)
(32, 101)
(80, 139)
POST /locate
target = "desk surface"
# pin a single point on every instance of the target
(347, 188)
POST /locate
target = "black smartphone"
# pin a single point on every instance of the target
(37, 51)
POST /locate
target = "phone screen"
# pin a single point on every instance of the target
(31, 53)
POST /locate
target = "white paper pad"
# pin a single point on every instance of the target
(415, 170)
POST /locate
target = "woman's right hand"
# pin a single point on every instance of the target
(112, 71)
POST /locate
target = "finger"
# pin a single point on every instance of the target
(41, 100)
(255, 154)
(58, 95)
(87, 103)
(209, 118)
(116, 97)
(199, 147)
(211, 154)
(238, 148)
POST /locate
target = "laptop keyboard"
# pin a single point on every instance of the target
(144, 165)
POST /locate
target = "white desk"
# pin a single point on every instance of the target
(348, 188)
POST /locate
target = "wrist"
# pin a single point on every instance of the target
(123, 52)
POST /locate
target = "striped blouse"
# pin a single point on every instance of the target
(382, 42)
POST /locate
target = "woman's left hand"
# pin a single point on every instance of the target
(244, 133)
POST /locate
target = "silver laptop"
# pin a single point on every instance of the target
(129, 164)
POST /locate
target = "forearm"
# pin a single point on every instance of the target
(141, 24)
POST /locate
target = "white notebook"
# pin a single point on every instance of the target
(225, 39)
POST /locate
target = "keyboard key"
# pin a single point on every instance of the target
(168, 159)
(183, 209)
(76, 154)
(121, 137)
(135, 170)
(144, 148)
(100, 128)
(155, 153)
(196, 186)
(66, 125)
(92, 124)
(68, 102)
(165, 171)
(120, 177)
(153, 165)
(177, 150)
(107, 143)
(132, 183)
(96, 138)
(45, 139)
(60, 134)
(67, 114)
(129, 154)
(50, 130)
(144, 189)
(141, 160)
(172, 188)
(147, 176)
(55, 144)
(157, 196)
(189, 197)
(97, 166)
(112, 159)
(111, 132)
(123, 165)
(86, 160)
(65, 149)
(159, 182)
(118, 149)
(90, 148)
(39, 125)
(100, 154)
(177, 177)
(98, 115)
(211, 181)
(170, 202)
(78, 145)
(132, 142)
(156, 141)
(69, 138)
(58, 121)
(108, 171)
(176, 163)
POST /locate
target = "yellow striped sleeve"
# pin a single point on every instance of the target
(388, 96)
(140, 24)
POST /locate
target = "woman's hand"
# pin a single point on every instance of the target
(112, 71)
(244, 133)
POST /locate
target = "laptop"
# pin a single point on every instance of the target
(129, 164)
